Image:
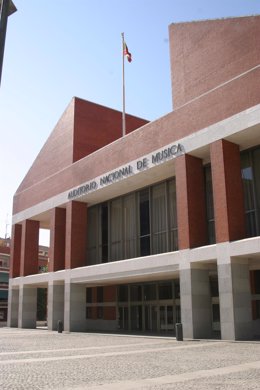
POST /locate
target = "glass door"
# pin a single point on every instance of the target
(150, 312)
(136, 318)
(166, 318)
(123, 317)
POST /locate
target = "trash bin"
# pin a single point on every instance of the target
(178, 330)
(60, 326)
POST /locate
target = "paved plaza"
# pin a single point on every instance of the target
(41, 359)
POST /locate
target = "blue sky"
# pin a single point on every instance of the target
(63, 48)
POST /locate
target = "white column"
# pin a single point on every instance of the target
(74, 307)
(55, 305)
(13, 304)
(234, 296)
(242, 299)
(27, 307)
(196, 311)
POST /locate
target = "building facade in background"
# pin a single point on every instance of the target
(4, 278)
(160, 226)
(43, 259)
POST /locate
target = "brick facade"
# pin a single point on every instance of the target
(192, 230)
(228, 191)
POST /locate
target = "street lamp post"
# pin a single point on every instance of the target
(7, 8)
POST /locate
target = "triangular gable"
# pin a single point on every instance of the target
(83, 128)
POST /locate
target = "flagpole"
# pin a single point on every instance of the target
(123, 62)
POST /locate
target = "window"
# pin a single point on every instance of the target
(250, 166)
(116, 230)
(89, 295)
(257, 305)
(92, 255)
(215, 312)
(178, 314)
(88, 312)
(209, 205)
(213, 280)
(100, 312)
(144, 220)
(3, 295)
(4, 278)
(136, 293)
(123, 293)
(149, 292)
(130, 226)
(137, 224)
(172, 219)
(100, 296)
(177, 289)
(104, 233)
(159, 222)
(255, 281)
(165, 290)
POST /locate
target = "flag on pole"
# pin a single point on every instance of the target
(127, 53)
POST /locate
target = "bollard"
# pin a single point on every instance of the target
(179, 333)
(60, 326)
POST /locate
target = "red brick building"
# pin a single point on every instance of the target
(159, 226)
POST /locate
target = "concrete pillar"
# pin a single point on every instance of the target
(74, 307)
(15, 258)
(191, 203)
(234, 299)
(227, 191)
(196, 310)
(76, 235)
(13, 305)
(27, 307)
(55, 305)
(30, 248)
(57, 239)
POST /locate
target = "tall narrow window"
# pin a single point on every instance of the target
(209, 205)
(251, 190)
(104, 232)
(159, 225)
(256, 160)
(172, 216)
(122, 292)
(92, 220)
(144, 215)
(116, 233)
(130, 226)
(89, 295)
(100, 294)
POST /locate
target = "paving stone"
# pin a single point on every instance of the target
(41, 359)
